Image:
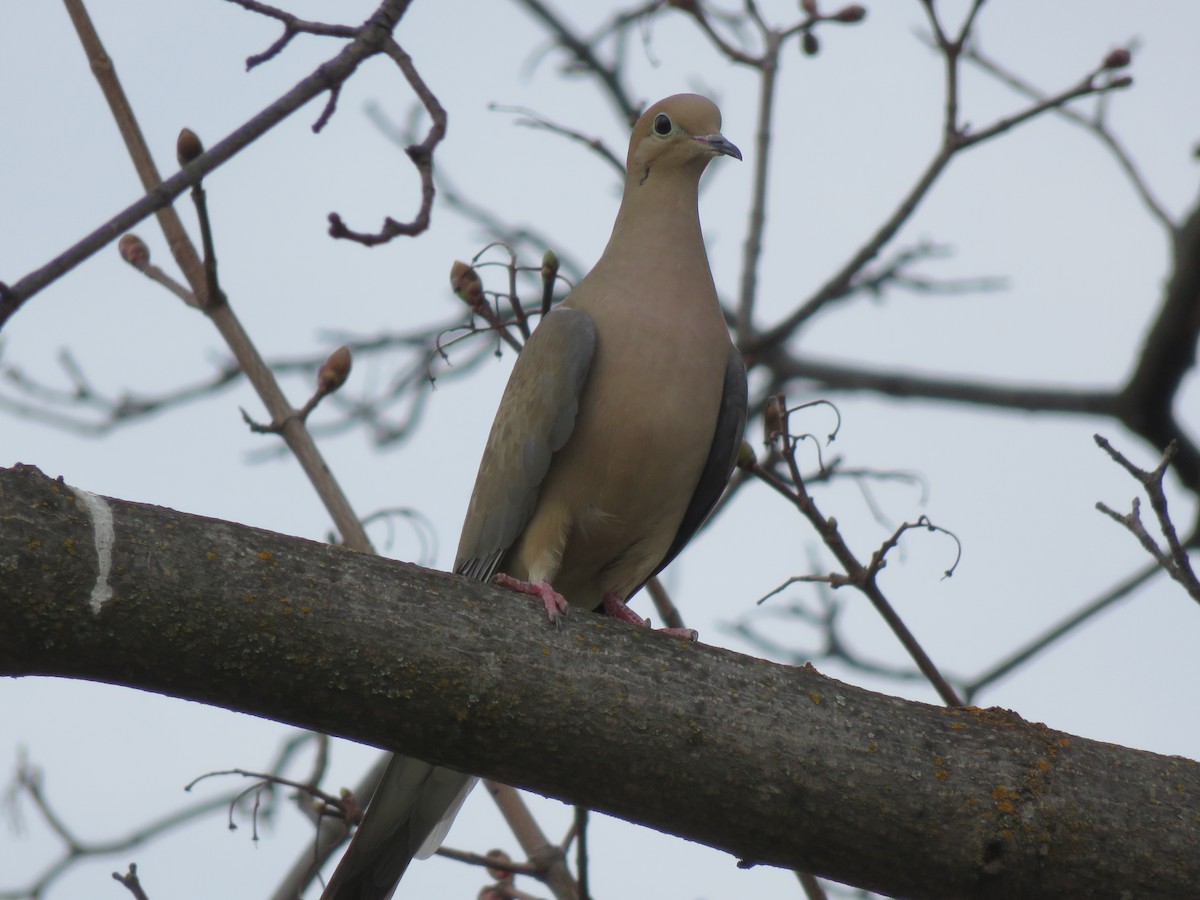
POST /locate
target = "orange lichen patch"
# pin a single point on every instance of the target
(264, 555)
(1004, 798)
(958, 724)
(1043, 765)
(814, 697)
(1064, 742)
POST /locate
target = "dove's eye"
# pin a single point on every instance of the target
(662, 125)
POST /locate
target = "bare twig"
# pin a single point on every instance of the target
(160, 193)
(667, 611)
(28, 783)
(292, 26)
(861, 577)
(1174, 558)
(1094, 124)
(811, 886)
(1068, 625)
(495, 227)
(956, 138)
(130, 881)
(531, 119)
(421, 155)
(547, 857)
(584, 54)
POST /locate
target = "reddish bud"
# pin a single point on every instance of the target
(809, 7)
(187, 146)
(1117, 59)
(850, 14)
(499, 874)
(134, 251)
(466, 284)
(809, 44)
(334, 371)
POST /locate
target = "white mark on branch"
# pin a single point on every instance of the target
(100, 513)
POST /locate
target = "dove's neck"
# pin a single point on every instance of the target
(659, 220)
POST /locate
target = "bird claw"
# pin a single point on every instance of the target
(555, 603)
(616, 607)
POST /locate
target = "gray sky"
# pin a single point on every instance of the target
(1045, 207)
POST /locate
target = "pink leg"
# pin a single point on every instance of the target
(556, 603)
(615, 607)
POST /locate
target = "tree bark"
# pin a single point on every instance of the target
(775, 764)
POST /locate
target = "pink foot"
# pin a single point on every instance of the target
(556, 603)
(615, 607)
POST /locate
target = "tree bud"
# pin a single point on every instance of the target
(334, 371)
(134, 250)
(466, 284)
(1117, 59)
(187, 146)
(850, 14)
(549, 267)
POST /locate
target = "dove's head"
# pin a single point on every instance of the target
(682, 132)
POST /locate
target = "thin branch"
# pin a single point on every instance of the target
(1174, 559)
(292, 26)
(531, 119)
(160, 193)
(1095, 125)
(452, 197)
(1085, 88)
(421, 155)
(548, 857)
(955, 139)
(756, 225)
(131, 882)
(76, 848)
(584, 54)
(1054, 634)
(861, 577)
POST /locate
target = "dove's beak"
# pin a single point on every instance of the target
(720, 145)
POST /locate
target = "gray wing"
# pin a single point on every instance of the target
(727, 439)
(415, 802)
(535, 419)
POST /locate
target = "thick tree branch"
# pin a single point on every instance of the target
(777, 765)
(1168, 354)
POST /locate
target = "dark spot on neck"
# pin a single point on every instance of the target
(645, 175)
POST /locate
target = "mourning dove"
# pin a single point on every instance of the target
(615, 437)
